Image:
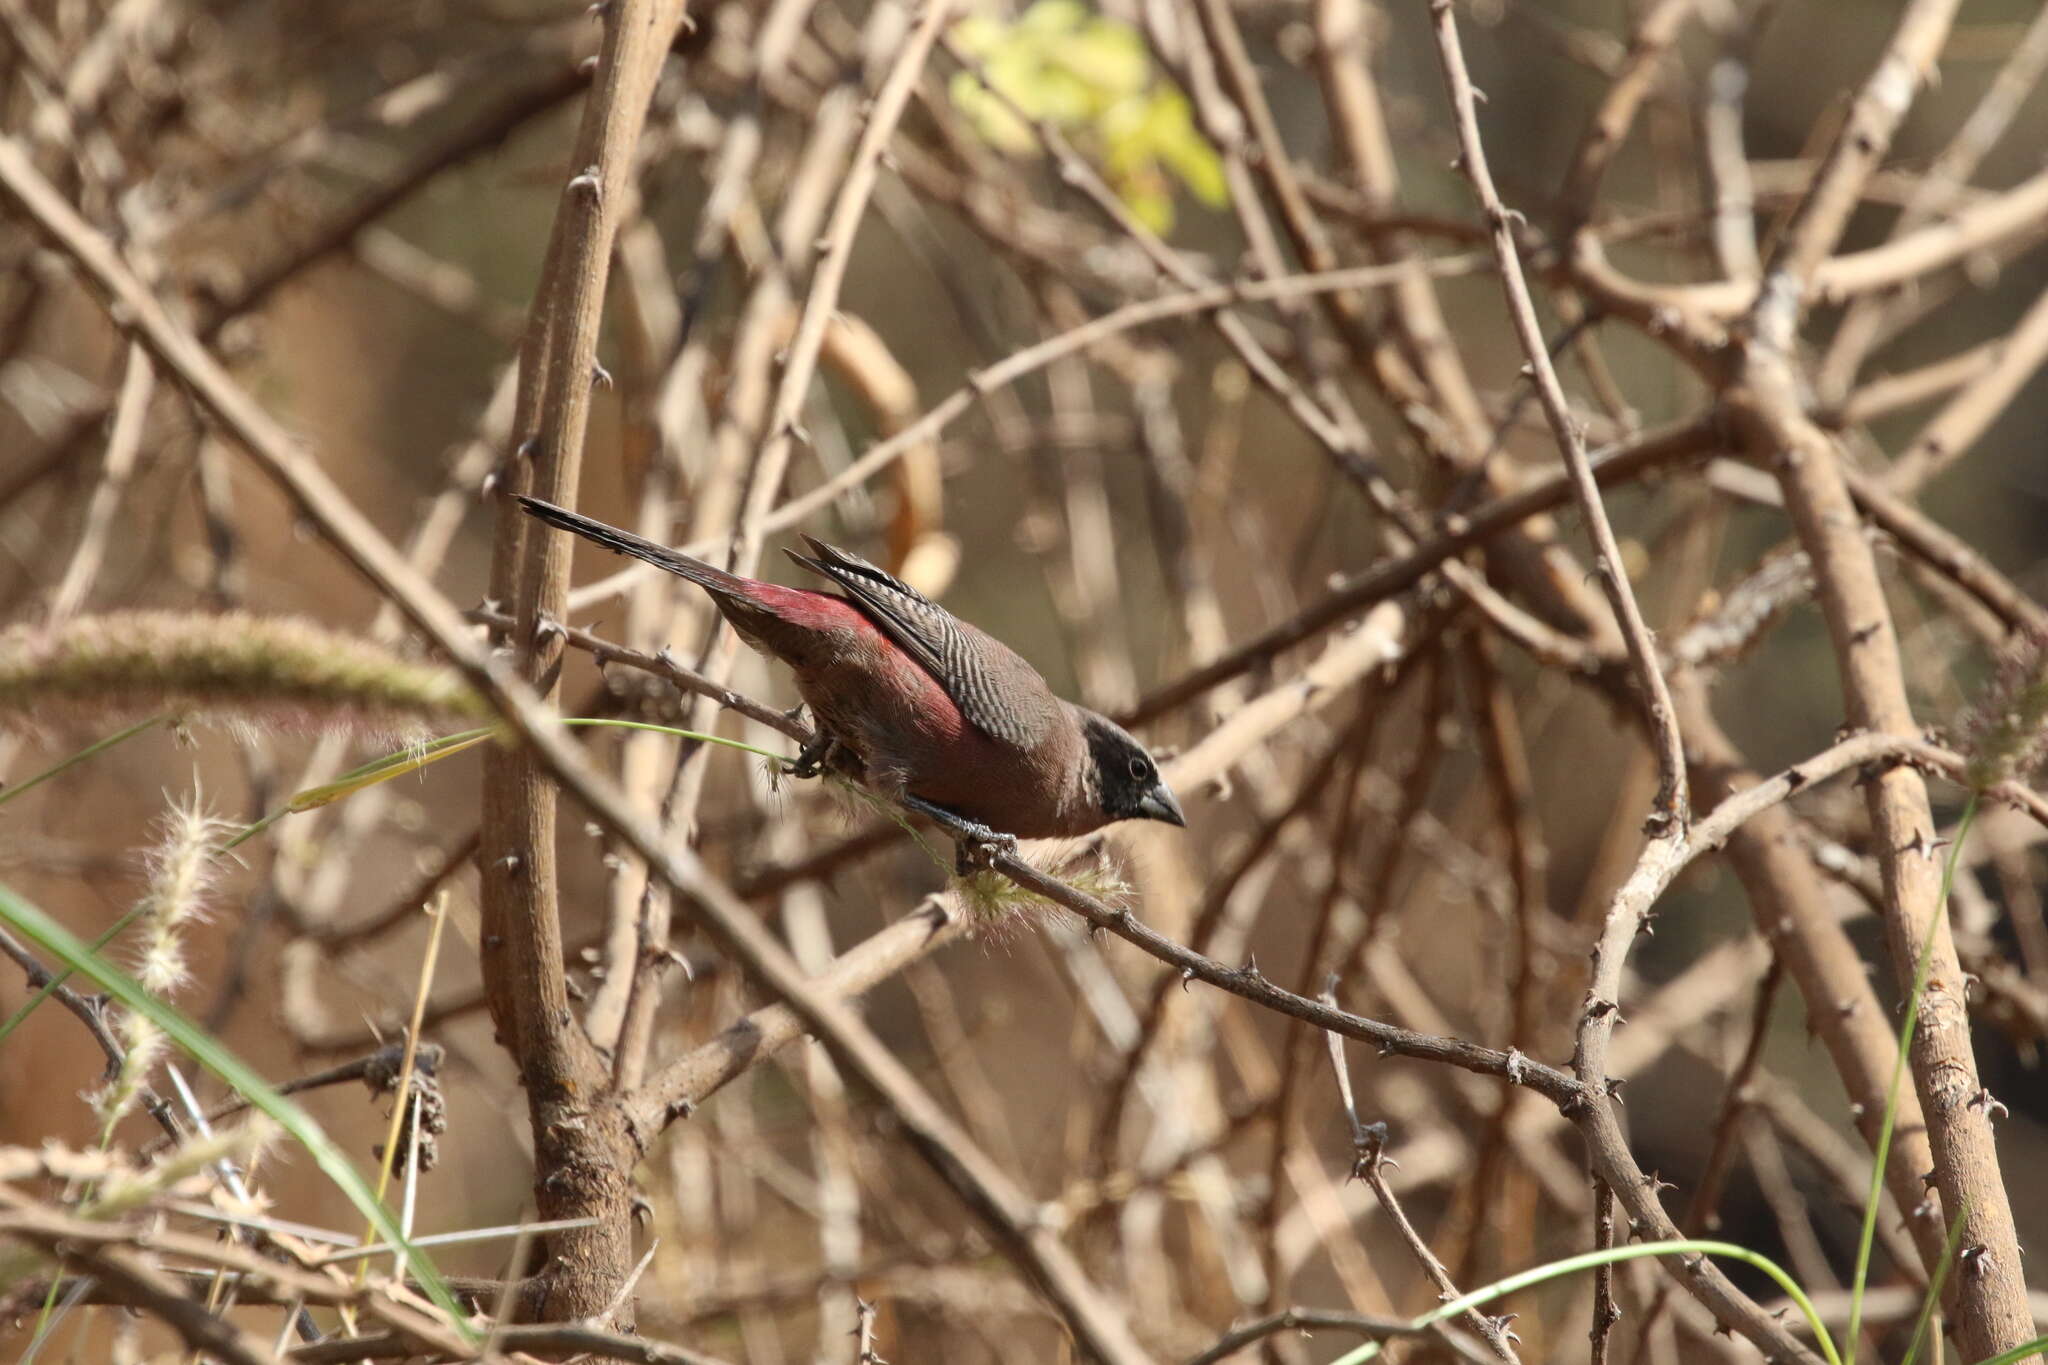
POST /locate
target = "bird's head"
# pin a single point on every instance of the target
(1125, 780)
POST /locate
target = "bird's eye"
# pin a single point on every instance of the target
(1140, 769)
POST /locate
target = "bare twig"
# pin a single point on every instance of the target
(1368, 1163)
(1672, 811)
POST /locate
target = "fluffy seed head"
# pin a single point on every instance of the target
(183, 866)
(269, 671)
(2007, 733)
(142, 1045)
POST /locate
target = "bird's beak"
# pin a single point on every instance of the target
(1158, 804)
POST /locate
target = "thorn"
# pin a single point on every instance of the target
(1993, 1108)
(1187, 975)
(588, 185)
(600, 376)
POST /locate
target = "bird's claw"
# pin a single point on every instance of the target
(976, 848)
(814, 757)
(975, 845)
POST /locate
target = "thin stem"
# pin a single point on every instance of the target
(1571, 1265)
(65, 765)
(1933, 1299)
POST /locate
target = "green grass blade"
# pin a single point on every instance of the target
(65, 765)
(1571, 1265)
(60, 942)
(1933, 1299)
(57, 979)
(697, 735)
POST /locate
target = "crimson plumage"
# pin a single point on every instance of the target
(932, 709)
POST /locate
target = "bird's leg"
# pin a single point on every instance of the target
(975, 845)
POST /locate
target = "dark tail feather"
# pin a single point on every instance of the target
(626, 543)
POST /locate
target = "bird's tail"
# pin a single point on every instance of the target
(717, 581)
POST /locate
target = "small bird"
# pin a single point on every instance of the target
(937, 714)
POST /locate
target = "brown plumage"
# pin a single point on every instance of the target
(935, 712)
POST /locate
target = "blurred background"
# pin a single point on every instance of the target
(350, 202)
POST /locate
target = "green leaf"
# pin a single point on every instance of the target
(1109, 56)
(1149, 204)
(1170, 126)
(993, 120)
(1092, 78)
(977, 34)
(55, 939)
(1052, 19)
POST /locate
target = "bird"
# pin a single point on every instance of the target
(933, 712)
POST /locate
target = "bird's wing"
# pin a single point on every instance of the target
(959, 657)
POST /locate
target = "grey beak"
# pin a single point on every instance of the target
(1158, 804)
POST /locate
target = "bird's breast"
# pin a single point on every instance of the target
(912, 739)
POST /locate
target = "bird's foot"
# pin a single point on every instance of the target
(975, 845)
(976, 848)
(815, 757)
